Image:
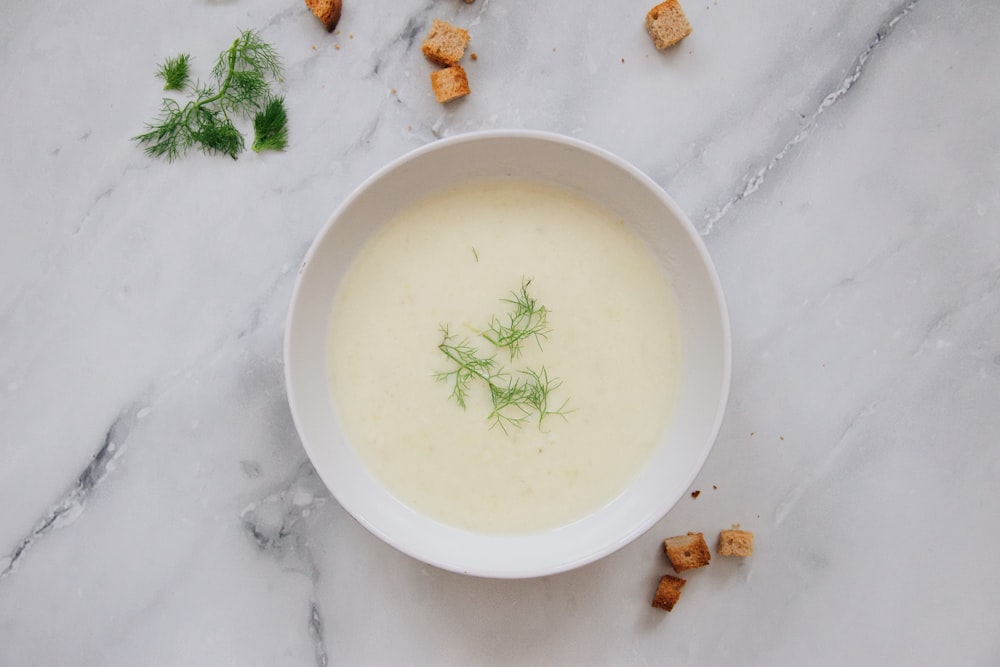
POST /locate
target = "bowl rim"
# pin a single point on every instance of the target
(714, 284)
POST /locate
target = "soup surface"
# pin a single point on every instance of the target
(451, 260)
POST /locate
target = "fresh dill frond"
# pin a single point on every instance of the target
(175, 72)
(202, 91)
(527, 320)
(169, 134)
(270, 126)
(247, 91)
(240, 88)
(215, 133)
(510, 404)
(538, 387)
(515, 396)
(243, 72)
(249, 53)
(469, 366)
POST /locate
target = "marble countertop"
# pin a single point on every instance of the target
(842, 162)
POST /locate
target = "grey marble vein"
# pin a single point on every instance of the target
(836, 450)
(754, 181)
(277, 525)
(289, 13)
(316, 632)
(69, 507)
(88, 215)
(407, 37)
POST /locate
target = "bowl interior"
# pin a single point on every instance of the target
(701, 313)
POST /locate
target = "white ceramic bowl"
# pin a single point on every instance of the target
(706, 350)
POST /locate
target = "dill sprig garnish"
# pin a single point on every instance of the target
(469, 366)
(538, 388)
(510, 404)
(527, 320)
(239, 88)
(175, 72)
(515, 396)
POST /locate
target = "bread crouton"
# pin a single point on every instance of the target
(667, 24)
(668, 592)
(687, 552)
(449, 83)
(736, 543)
(445, 44)
(327, 11)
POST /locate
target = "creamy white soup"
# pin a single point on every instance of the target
(610, 350)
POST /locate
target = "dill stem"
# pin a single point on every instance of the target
(446, 350)
(194, 105)
(231, 62)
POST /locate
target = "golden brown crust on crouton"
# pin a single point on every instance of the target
(687, 552)
(327, 11)
(667, 24)
(445, 44)
(449, 83)
(668, 592)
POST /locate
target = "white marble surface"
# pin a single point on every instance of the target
(842, 160)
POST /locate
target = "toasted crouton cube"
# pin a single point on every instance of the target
(736, 543)
(667, 24)
(668, 592)
(445, 44)
(327, 11)
(449, 83)
(687, 552)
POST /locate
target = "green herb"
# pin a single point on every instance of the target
(239, 88)
(469, 366)
(270, 126)
(175, 72)
(475, 254)
(518, 395)
(539, 386)
(528, 320)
